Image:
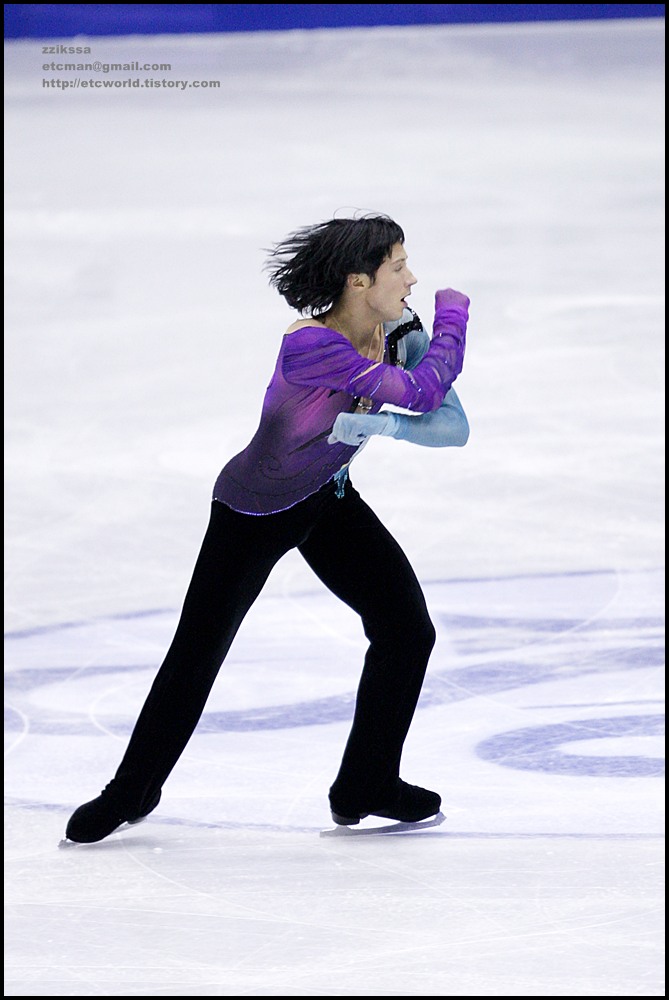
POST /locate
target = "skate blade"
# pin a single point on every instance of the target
(376, 831)
(125, 825)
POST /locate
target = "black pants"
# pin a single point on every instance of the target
(360, 562)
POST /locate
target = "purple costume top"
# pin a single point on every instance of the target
(318, 375)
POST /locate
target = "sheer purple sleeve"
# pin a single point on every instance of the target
(318, 356)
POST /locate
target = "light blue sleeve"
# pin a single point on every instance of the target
(446, 427)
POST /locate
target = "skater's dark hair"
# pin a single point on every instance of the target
(310, 266)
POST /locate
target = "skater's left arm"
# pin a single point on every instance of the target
(442, 428)
(446, 427)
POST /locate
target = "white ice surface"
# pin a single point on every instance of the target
(525, 164)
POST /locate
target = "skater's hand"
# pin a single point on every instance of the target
(355, 428)
(449, 298)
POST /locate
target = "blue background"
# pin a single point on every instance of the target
(56, 20)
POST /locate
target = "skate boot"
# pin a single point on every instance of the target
(408, 804)
(97, 819)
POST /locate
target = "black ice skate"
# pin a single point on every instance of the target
(409, 804)
(97, 819)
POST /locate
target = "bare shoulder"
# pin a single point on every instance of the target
(301, 323)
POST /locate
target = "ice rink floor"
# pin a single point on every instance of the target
(526, 166)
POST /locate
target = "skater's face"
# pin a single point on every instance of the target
(390, 287)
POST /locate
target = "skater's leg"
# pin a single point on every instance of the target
(359, 561)
(237, 555)
(234, 562)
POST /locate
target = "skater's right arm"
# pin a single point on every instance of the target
(319, 356)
